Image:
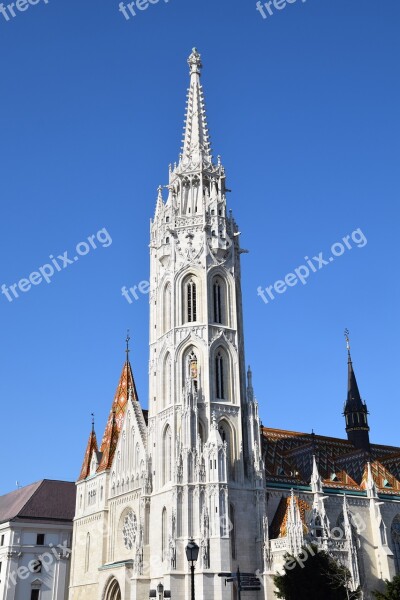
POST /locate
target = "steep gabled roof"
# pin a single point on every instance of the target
(46, 500)
(90, 448)
(116, 416)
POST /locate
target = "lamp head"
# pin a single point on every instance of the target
(192, 551)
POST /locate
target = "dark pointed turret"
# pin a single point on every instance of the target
(355, 410)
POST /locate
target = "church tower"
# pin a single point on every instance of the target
(204, 440)
(190, 466)
(355, 410)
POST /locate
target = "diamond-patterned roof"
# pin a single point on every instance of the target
(90, 448)
(288, 459)
(116, 416)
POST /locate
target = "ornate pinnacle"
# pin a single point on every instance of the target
(194, 62)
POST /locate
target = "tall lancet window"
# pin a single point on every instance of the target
(217, 291)
(396, 542)
(191, 301)
(219, 376)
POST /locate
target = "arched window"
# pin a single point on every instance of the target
(191, 301)
(227, 436)
(112, 591)
(219, 377)
(87, 553)
(164, 534)
(167, 455)
(396, 542)
(217, 301)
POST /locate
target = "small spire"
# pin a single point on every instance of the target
(316, 481)
(128, 339)
(196, 140)
(372, 491)
(355, 410)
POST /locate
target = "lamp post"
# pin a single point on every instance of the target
(192, 553)
(160, 591)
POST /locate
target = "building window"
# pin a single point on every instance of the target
(35, 594)
(2, 540)
(40, 539)
(130, 530)
(318, 527)
(219, 376)
(191, 304)
(217, 292)
(37, 567)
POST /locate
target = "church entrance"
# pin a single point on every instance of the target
(112, 591)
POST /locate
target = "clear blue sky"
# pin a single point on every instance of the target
(303, 108)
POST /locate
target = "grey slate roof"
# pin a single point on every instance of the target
(47, 500)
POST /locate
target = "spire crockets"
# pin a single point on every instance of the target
(355, 409)
(196, 142)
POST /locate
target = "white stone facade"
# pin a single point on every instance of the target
(32, 570)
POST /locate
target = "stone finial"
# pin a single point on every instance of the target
(194, 62)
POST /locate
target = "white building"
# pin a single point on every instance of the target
(35, 541)
(195, 464)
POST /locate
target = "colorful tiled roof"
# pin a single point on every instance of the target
(279, 524)
(288, 460)
(90, 448)
(116, 416)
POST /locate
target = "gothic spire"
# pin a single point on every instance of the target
(117, 412)
(90, 448)
(316, 481)
(196, 142)
(355, 409)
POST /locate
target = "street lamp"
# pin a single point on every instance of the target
(192, 553)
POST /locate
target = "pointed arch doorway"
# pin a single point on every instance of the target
(112, 591)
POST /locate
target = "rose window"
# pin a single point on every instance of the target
(129, 530)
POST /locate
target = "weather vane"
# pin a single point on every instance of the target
(92, 414)
(128, 339)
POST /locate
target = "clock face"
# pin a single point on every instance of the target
(129, 530)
